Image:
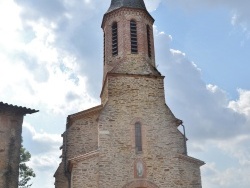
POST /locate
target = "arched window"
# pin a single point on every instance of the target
(114, 39)
(138, 137)
(148, 40)
(133, 36)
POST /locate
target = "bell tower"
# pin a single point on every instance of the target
(128, 38)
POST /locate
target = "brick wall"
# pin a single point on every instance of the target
(122, 17)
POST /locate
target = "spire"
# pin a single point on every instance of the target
(115, 4)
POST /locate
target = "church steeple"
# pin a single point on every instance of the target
(115, 4)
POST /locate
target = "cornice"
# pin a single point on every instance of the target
(190, 159)
(83, 157)
(128, 75)
(123, 9)
(81, 114)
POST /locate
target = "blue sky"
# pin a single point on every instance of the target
(51, 57)
(207, 36)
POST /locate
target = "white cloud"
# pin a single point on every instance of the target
(203, 108)
(42, 136)
(42, 69)
(229, 178)
(44, 74)
(42, 142)
(9, 27)
(238, 148)
(242, 105)
(152, 4)
(44, 149)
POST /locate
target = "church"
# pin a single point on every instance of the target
(131, 140)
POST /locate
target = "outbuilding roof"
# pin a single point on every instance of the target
(16, 109)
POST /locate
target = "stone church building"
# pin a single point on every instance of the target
(131, 140)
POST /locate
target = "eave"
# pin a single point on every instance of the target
(5, 107)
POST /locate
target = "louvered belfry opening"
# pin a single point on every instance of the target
(114, 39)
(133, 35)
(138, 137)
(148, 40)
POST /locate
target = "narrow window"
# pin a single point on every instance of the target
(114, 39)
(138, 137)
(148, 39)
(133, 35)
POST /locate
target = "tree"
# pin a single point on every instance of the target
(25, 172)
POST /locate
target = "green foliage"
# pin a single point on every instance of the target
(25, 172)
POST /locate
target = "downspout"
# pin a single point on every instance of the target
(184, 139)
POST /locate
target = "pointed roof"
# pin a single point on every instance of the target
(116, 4)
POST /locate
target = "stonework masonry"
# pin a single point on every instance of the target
(100, 145)
(11, 119)
(10, 139)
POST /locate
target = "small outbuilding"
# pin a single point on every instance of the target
(11, 120)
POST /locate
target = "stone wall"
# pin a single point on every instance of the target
(132, 99)
(190, 178)
(85, 173)
(10, 139)
(82, 135)
(61, 176)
